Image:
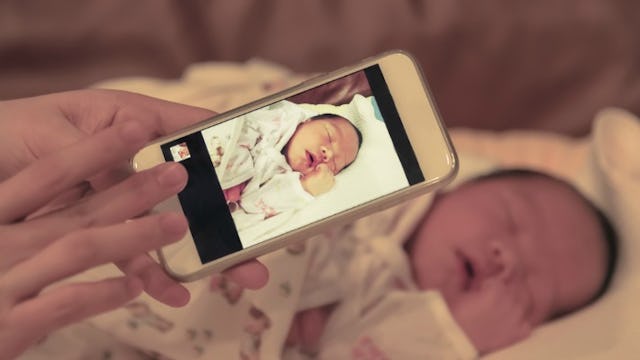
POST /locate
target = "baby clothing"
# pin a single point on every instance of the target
(254, 155)
(379, 313)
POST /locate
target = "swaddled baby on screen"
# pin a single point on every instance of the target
(283, 157)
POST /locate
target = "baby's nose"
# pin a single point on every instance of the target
(327, 154)
(502, 260)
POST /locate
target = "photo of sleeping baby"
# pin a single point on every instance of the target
(288, 164)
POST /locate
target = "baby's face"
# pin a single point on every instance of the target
(520, 248)
(332, 141)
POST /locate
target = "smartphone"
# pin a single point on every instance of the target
(284, 168)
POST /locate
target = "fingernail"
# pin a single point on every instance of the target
(133, 133)
(172, 175)
(173, 224)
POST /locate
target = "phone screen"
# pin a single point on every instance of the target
(292, 163)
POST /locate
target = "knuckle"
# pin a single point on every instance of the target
(51, 173)
(86, 215)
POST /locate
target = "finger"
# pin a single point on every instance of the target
(45, 179)
(111, 176)
(135, 195)
(126, 200)
(158, 117)
(99, 109)
(63, 200)
(35, 318)
(156, 281)
(88, 248)
(251, 275)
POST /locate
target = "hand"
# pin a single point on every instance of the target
(44, 124)
(493, 316)
(41, 125)
(41, 247)
(319, 181)
(47, 248)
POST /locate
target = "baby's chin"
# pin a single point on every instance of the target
(449, 294)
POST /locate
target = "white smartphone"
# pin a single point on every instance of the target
(281, 169)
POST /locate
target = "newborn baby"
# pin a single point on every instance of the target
(283, 157)
(507, 252)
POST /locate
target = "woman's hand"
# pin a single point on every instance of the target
(35, 127)
(38, 126)
(38, 251)
(68, 204)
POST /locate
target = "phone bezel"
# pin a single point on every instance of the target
(419, 117)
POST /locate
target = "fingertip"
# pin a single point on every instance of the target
(176, 296)
(173, 224)
(251, 275)
(172, 175)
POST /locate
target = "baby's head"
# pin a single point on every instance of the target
(511, 250)
(325, 138)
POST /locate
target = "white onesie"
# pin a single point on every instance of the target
(255, 157)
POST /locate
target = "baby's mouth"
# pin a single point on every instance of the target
(468, 271)
(310, 159)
